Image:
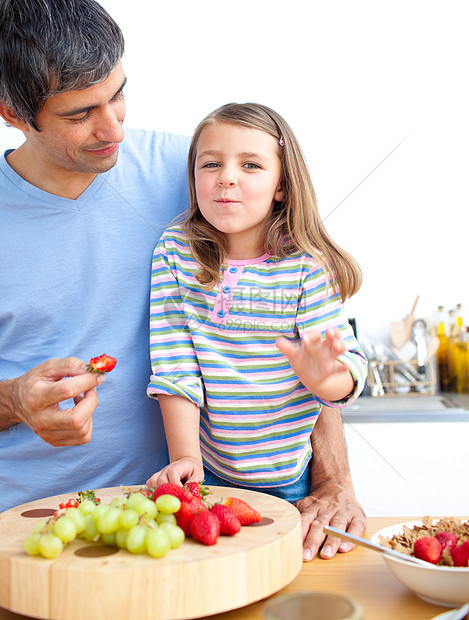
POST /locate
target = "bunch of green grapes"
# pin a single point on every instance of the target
(135, 523)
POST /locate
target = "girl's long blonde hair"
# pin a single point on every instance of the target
(295, 224)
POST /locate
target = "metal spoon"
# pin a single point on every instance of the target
(367, 543)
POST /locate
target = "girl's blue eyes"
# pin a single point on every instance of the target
(248, 165)
(251, 165)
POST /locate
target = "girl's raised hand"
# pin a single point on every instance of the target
(186, 469)
(315, 362)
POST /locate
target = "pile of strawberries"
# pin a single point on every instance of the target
(430, 548)
(203, 521)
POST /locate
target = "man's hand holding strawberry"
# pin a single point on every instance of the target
(34, 399)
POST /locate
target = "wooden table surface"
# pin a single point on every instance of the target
(360, 574)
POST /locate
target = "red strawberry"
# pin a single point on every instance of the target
(169, 488)
(447, 539)
(245, 513)
(460, 554)
(205, 527)
(88, 495)
(187, 512)
(428, 548)
(72, 503)
(103, 363)
(229, 522)
(197, 489)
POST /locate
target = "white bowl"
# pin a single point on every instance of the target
(440, 585)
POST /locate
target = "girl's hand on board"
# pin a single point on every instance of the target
(315, 362)
(185, 469)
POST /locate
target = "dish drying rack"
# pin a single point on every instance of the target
(389, 374)
(397, 378)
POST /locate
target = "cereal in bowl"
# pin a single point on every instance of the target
(443, 542)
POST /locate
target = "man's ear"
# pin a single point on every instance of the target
(10, 116)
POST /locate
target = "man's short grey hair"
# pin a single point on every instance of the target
(52, 46)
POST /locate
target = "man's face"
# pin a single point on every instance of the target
(80, 129)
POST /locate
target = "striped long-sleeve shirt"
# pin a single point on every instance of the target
(218, 349)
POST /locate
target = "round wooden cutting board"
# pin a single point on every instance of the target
(193, 581)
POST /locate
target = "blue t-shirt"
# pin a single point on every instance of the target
(74, 280)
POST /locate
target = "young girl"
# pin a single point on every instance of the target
(248, 333)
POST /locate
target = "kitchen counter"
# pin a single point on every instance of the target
(446, 407)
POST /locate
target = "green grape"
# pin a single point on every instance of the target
(162, 518)
(65, 529)
(149, 522)
(109, 520)
(147, 507)
(109, 539)
(31, 543)
(175, 533)
(78, 518)
(50, 546)
(40, 525)
(136, 539)
(91, 532)
(134, 500)
(99, 510)
(128, 518)
(158, 542)
(119, 502)
(87, 507)
(121, 538)
(168, 504)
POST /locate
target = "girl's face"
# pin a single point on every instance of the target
(237, 180)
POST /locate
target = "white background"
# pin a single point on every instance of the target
(377, 95)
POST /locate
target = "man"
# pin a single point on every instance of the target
(81, 210)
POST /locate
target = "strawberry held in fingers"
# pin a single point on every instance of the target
(197, 489)
(101, 364)
(169, 488)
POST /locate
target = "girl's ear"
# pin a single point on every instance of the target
(279, 194)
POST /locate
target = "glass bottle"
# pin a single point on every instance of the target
(442, 354)
(464, 384)
(460, 351)
(459, 319)
(453, 359)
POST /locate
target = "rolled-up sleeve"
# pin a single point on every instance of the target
(175, 369)
(321, 308)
